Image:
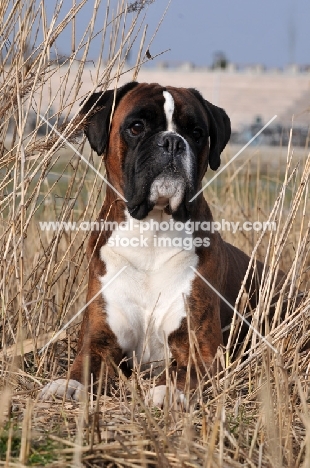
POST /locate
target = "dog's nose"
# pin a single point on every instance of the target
(172, 143)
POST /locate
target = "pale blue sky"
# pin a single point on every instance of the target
(270, 32)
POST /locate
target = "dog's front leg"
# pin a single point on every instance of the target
(193, 351)
(96, 344)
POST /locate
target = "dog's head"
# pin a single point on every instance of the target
(158, 143)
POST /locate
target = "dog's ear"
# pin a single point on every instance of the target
(99, 107)
(219, 130)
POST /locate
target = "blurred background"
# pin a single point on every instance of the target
(251, 58)
(202, 33)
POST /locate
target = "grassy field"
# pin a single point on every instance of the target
(254, 414)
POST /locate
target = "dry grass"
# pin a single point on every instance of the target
(256, 413)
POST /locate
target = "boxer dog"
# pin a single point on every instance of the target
(157, 143)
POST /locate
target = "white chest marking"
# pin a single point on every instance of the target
(146, 302)
(169, 109)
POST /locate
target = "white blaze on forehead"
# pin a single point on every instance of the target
(169, 109)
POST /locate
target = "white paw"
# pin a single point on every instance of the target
(156, 397)
(58, 388)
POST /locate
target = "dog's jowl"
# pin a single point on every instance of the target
(157, 148)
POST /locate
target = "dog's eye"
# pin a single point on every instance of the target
(136, 128)
(197, 134)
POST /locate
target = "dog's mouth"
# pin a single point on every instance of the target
(169, 188)
(162, 202)
(166, 191)
(168, 194)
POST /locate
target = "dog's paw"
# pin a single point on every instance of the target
(156, 397)
(60, 387)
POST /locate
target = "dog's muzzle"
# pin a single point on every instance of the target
(169, 186)
(168, 178)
